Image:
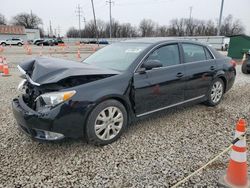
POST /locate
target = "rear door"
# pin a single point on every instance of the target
(162, 87)
(200, 68)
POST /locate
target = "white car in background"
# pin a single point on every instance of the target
(13, 41)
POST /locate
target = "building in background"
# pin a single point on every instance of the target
(238, 45)
(9, 32)
(32, 34)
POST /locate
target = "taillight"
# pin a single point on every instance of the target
(233, 63)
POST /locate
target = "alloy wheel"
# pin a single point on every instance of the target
(216, 92)
(108, 123)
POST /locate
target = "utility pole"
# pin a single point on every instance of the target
(96, 31)
(190, 13)
(79, 14)
(84, 21)
(110, 17)
(50, 29)
(189, 21)
(221, 11)
(59, 31)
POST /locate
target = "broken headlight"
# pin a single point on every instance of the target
(54, 98)
(21, 86)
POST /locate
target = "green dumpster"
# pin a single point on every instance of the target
(238, 45)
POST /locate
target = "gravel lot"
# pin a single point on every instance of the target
(155, 152)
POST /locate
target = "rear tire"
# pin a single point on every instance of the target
(215, 92)
(244, 68)
(106, 123)
(19, 44)
(3, 44)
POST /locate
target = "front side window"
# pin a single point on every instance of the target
(193, 52)
(168, 55)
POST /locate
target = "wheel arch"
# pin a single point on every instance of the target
(125, 102)
(223, 78)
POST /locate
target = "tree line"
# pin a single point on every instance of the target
(146, 28)
(149, 28)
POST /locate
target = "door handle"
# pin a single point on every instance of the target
(179, 75)
(212, 68)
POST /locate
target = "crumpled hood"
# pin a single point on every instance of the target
(45, 70)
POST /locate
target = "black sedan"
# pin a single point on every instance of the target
(99, 97)
(46, 42)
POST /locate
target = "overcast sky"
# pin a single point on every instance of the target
(62, 12)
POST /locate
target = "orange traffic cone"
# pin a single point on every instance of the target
(94, 48)
(1, 48)
(5, 69)
(78, 54)
(1, 65)
(29, 51)
(237, 174)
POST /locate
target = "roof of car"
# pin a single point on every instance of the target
(157, 40)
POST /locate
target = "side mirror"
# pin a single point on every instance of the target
(150, 64)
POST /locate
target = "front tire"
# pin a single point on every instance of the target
(106, 123)
(215, 92)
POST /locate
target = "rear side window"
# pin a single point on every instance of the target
(208, 54)
(193, 52)
(168, 55)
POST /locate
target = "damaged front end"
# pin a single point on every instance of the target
(43, 79)
(46, 108)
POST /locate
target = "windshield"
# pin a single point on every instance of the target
(118, 56)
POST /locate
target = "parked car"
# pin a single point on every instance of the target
(13, 41)
(58, 41)
(99, 97)
(95, 42)
(246, 64)
(37, 41)
(46, 42)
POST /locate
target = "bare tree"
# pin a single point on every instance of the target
(231, 26)
(191, 26)
(72, 32)
(2, 20)
(29, 21)
(147, 27)
(211, 29)
(161, 31)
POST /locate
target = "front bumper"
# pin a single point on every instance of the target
(65, 120)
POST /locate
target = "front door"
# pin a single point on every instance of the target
(162, 87)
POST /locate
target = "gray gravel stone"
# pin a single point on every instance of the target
(158, 151)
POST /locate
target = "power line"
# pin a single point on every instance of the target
(79, 14)
(110, 2)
